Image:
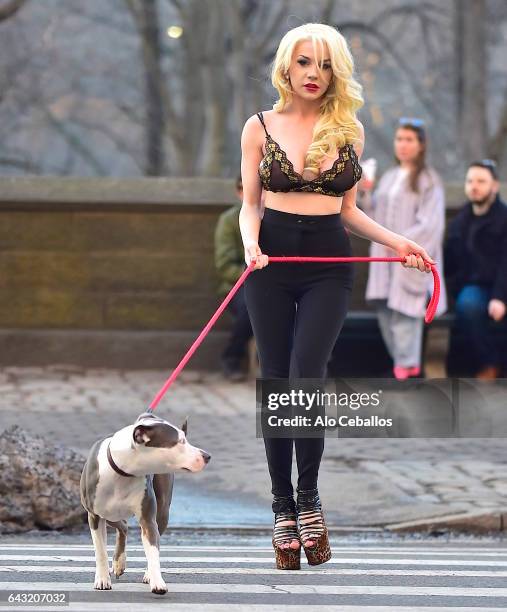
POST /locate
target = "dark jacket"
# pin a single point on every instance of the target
(475, 250)
(229, 250)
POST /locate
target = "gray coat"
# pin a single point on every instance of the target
(419, 217)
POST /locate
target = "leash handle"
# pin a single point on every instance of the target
(432, 304)
(430, 310)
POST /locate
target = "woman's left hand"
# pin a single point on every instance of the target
(414, 254)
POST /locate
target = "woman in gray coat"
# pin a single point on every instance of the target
(409, 200)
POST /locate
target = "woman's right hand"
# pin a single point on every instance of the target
(253, 251)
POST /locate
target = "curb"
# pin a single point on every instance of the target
(476, 522)
(472, 523)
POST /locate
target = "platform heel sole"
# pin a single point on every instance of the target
(320, 553)
(287, 559)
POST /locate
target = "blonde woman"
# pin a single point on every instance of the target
(305, 154)
(409, 199)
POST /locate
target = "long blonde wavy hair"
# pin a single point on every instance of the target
(337, 123)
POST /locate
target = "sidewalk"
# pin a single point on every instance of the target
(397, 484)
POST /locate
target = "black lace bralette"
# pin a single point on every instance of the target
(277, 172)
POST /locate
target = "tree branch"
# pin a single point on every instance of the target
(10, 9)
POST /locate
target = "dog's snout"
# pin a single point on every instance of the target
(206, 456)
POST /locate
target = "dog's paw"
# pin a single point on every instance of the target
(102, 583)
(159, 587)
(119, 565)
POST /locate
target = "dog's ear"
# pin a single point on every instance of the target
(185, 425)
(141, 434)
(146, 415)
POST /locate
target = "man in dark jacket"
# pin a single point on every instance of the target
(230, 264)
(475, 265)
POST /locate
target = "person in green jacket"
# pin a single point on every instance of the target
(230, 264)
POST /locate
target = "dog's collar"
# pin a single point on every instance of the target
(113, 464)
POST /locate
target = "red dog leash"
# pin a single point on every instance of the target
(430, 310)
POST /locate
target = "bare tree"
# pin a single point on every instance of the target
(10, 8)
(129, 99)
(498, 141)
(211, 57)
(471, 77)
(145, 14)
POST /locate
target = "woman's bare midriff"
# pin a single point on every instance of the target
(301, 203)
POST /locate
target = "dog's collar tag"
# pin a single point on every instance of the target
(113, 464)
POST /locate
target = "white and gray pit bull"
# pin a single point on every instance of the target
(131, 473)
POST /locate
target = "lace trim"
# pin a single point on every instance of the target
(356, 166)
(274, 151)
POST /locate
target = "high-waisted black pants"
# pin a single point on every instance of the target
(298, 307)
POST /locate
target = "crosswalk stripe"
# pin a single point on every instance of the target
(255, 551)
(465, 550)
(254, 571)
(292, 589)
(222, 559)
(177, 607)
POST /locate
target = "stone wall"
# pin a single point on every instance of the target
(121, 270)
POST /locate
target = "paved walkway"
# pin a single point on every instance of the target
(363, 482)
